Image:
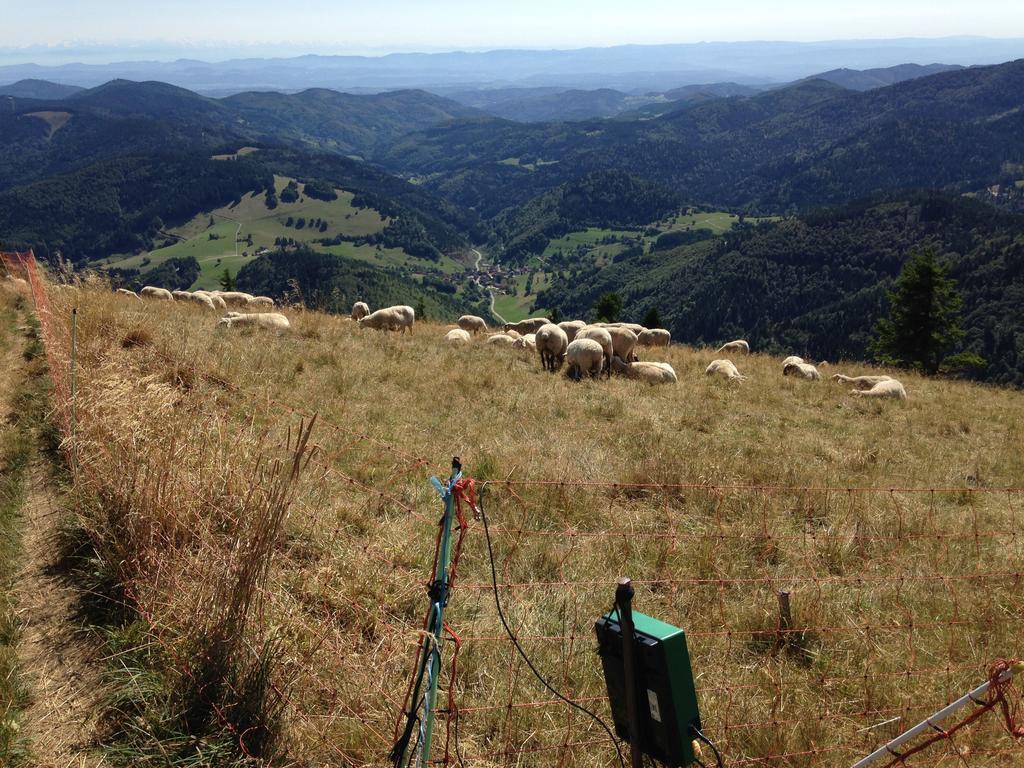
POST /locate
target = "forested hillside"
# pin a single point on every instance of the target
(815, 285)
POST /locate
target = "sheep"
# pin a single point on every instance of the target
(634, 327)
(584, 356)
(654, 337)
(803, 370)
(513, 334)
(261, 301)
(529, 341)
(472, 324)
(501, 340)
(887, 388)
(724, 368)
(272, 321)
(572, 327)
(458, 336)
(526, 326)
(552, 342)
(126, 292)
(602, 337)
(360, 310)
(398, 318)
(791, 360)
(216, 300)
(235, 298)
(151, 292)
(735, 346)
(860, 382)
(623, 342)
(195, 298)
(649, 372)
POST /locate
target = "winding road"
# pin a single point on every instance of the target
(490, 291)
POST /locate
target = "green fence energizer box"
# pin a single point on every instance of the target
(666, 696)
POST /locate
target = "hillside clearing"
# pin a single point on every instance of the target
(727, 493)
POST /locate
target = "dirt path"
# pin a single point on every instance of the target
(55, 654)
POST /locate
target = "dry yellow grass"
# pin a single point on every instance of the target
(900, 599)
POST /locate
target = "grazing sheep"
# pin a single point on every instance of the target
(584, 356)
(724, 368)
(126, 292)
(650, 372)
(654, 337)
(216, 300)
(261, 301)
(572, 327)
(860, 382)
(526, 326)
(887, 388)
(623, 342)
(634, 327)
(602, 337)
(458, 336)
(270, 320)
(398, 318)
(735, 346)
(360, 310)
(552, 342)
(529, 341)
(791, 360)
(195, 298)
(150, 292)
(472, 323)
(513, 334)
(803, 370)
(235, 298)
(501, 340)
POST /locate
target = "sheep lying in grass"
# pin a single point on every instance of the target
(472, 324)
(526, 326)
(552, 342)
(802, 370)
(126, 292)
(261, 301)
(887, 388)
(457, 337)
(584, 357)
(572, 327)
(529, 341)
(272, 321)
(151, 292)
(654, 337)
(360, 310)
(501, 340)
(513, 334)
(648, 371)
(397, 318)
(791, 360)
(602, 337)
(860, 382)
(724, 368)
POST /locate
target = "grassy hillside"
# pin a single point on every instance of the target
(900, 599)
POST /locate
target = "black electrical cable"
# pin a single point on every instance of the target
(515, 641)
(718, 755)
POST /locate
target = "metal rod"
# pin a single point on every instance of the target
(624, 602)
(929, 724)
(74, 386)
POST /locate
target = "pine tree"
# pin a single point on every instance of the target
(226, 281)
(652, 319)
(608, 307)
(924, 316)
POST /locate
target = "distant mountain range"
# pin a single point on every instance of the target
(630, 68)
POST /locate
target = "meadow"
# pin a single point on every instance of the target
(712, 496)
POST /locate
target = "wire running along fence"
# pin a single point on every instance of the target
(900, 599)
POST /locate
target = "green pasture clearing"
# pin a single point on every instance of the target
(240, 153)
(516, 308)
(590, 237)
(518, 163)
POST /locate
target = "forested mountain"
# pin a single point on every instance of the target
(38, 89)
(868, 79)
(815, 285)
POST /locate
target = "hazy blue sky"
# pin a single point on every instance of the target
(338, 26)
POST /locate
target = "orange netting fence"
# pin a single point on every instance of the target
(822, 621)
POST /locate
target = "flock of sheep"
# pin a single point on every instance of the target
(586, 349)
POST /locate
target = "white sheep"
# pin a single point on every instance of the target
(584, 356)
(457, 336)
(634, 327)
(513, 334)
(572, 327)
(792, 360)
(602, 337)
(803, 370)
(529, 341)
(360, 310)
(551, 342)
(151, 292)
(887, 388)
(261, 301)
(235, 298)
(648, 371)
(724, 368)
(501, 340)
(397, 318)
(526, 326)
(126, 292)
(195, 298)
(472, 324)
(272, 321)
(860, 382)
(217, 301)
(654, 337)
(735, 346)
(623, 342)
